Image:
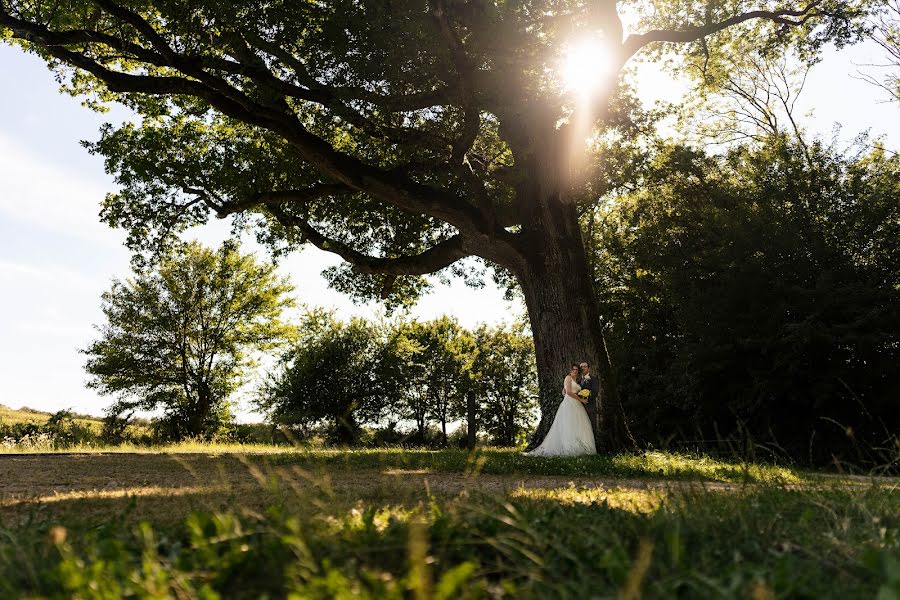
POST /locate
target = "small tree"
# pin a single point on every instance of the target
(338, 375)
(411, 402)
(442, 369)
(180, 336)
(504, 369)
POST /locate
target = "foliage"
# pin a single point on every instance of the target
(180, 336)
(755, 296)
(438, 368)
(62, 429)
(347, 376)
(506, 383)
(753, 102)
(339, 374)
(885, 31)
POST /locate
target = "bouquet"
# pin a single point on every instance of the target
(584, 394)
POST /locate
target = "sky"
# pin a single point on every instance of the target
(56, 258)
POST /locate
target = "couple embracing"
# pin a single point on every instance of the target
(571, 433)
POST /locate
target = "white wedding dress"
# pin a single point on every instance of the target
(571, 433)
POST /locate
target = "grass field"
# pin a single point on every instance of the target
(28, 430)
(400, 524)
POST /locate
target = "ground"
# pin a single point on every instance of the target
(249, 521)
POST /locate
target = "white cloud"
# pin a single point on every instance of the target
(55, 330)
(43, 193)
(16, 274)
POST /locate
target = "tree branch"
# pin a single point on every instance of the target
(330, 96)
(437, 257)
(190, 66)
(392, 187)
(302, 196)
(634, 42)
(120, 82)
(464, 70)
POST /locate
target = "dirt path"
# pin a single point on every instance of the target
(34, 476)
(41, 475)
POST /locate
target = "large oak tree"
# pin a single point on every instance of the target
(402, 135)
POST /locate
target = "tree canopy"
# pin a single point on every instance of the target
(340, 375)
(439, 366)
(506, 382)
(390, 133)
(400, 379)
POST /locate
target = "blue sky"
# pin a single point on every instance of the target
(56, 258)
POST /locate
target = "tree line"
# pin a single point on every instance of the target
(181, 336)
(753, 296)
(342, 377)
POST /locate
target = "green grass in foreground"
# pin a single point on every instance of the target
(696, 544)
(397, 540)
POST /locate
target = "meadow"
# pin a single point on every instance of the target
(209, 521)
(28, 430)
(13, 416)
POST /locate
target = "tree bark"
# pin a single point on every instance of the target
(198, 419)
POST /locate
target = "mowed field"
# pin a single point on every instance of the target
(209, 522)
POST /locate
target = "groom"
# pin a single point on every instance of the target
(593, 384)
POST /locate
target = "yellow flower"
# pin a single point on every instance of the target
(584, 393)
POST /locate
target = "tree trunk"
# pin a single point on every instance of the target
(346, 430)
(198, 421)
(564, 314)
(470, 414)
(421, 424)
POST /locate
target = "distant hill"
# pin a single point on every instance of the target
(25, 414)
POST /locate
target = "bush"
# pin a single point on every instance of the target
(66, 432)
(257, 433)
(60, 431)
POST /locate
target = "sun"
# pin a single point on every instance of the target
(586, 64)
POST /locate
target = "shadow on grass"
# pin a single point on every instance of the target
(492, 461)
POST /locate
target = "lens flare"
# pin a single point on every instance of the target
(586, 65)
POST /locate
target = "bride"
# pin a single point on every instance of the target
(571, 433)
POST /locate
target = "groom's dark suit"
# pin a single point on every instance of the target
(592, 383)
